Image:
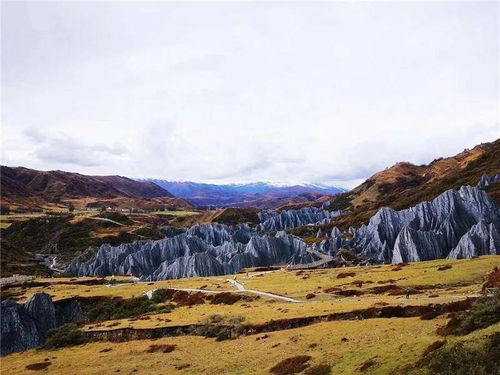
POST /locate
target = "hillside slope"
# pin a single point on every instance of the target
(404, 184)
(52, 186)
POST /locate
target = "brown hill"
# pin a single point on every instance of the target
(404, 184)
(228, 216)
(23, 184)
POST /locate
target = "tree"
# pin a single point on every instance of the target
(4, 210)
(71, 207)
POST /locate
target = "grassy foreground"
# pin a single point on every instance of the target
(366, 346)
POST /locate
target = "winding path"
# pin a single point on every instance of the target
(241, 288)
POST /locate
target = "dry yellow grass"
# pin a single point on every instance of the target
(391, 343)
(467, 272)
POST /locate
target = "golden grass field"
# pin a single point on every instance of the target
(389, 343)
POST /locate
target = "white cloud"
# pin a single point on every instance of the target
(289, 92)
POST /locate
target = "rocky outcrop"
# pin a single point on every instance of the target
(488, 180)
(481, 239)
(202, 250)
(273, 221)
(457, 224)
(25, 326)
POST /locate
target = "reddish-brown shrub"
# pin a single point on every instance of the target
(310, 296)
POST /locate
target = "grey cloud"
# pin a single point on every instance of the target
(66, 150)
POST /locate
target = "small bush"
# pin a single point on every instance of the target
(64, 336)
(101, 309)
(159, 296)
(483, 313)
(460, 359)
(222, 327)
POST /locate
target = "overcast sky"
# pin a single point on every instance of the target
(228, 92)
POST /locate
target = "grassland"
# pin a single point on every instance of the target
(176, 213)
(370, 346)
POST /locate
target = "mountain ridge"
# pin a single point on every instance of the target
(242, 195)
(20, 184)
(404, 184)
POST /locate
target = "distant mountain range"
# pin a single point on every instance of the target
(258, 194)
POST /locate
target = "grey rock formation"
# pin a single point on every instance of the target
(458, 223)
(273, 221)
(202, 250)
(68, 312)
(481, 239)
(25, 326)
(488, 180)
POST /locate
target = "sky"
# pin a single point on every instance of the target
(327, 92)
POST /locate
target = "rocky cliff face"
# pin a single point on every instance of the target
(202, 250)
(25, 326)
(457, 224)
(488, 180)
(272, 221)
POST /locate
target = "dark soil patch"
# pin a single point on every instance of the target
(182, 366)
(310, 296)
(349, 293)
(430, 315)
(434, 346)
(105, 350)
(38, 366)
(445, 267)
(332, 289)
(162, 348)
(292, 365)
